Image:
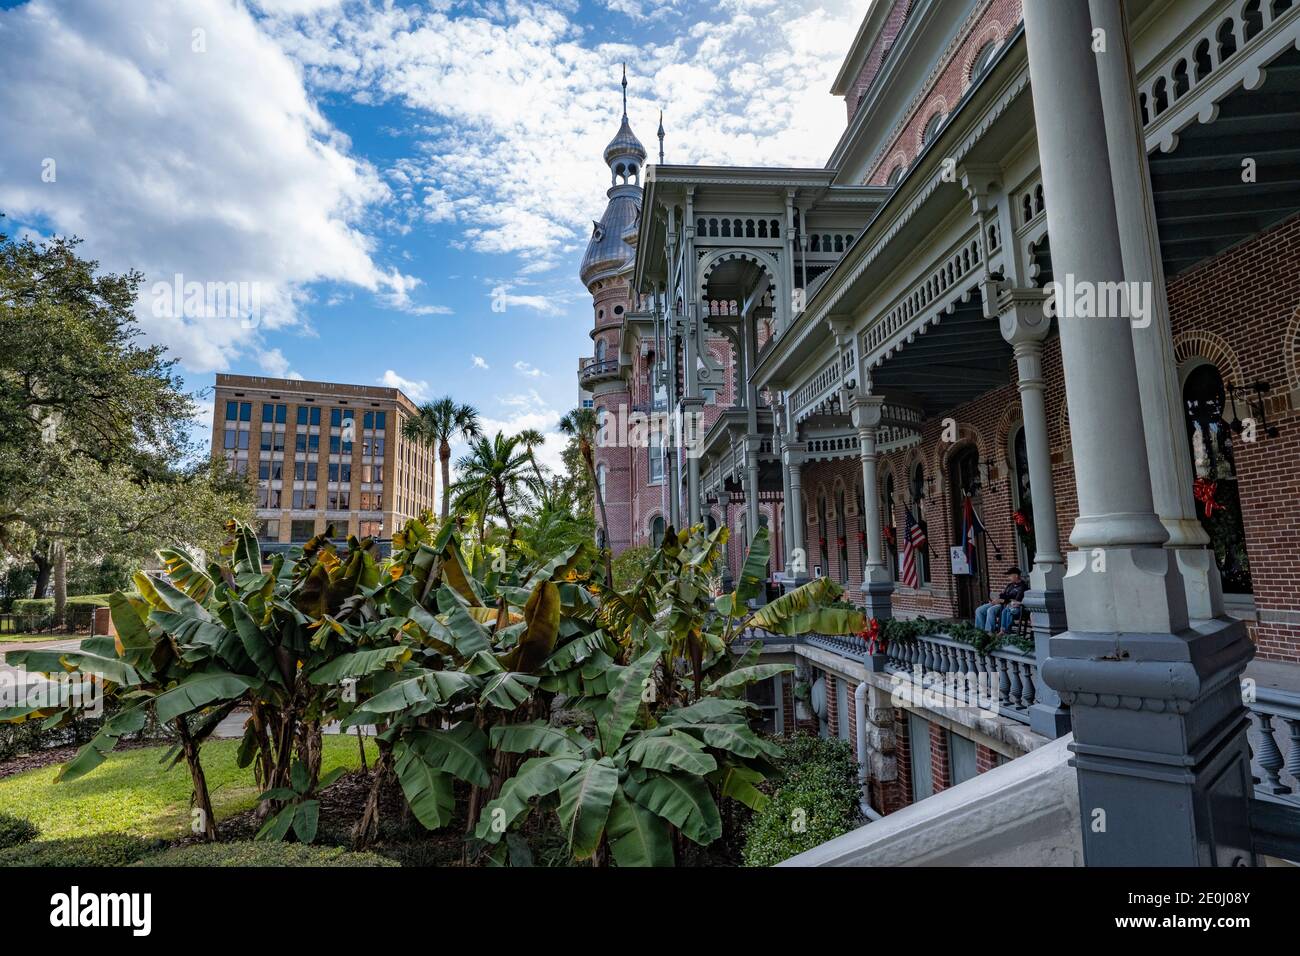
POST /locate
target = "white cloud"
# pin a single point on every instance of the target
(416, 391)
(528, 369)
(182, 152)
(521, 101)
(274, 363)
(529, 410)
(479, 361)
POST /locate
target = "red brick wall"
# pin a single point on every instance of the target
(893, 23)
(940, 766)
(903, 755)
(1242, 311)
(985, 758)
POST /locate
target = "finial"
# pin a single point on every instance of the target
(624, 91)
(661, 137)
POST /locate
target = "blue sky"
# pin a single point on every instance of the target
(378, 169)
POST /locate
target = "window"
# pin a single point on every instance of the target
(765, 695)
(822, 527)
(232, 411)
(313, 443)
(841, 539)
(270, 530)
(601, 472)
(381, 419)
(1024, 502)
(961, 758)
(232, 437)
(600, 350)
(1215, 473)
(311, 470)
(896, 175)
(656, 453)
(245, 411)
(932, 127)
(983, 59)
(371, 529)
(302, 530)
(336, 417)
(299, 470)
(918, 514)
(657, 528)
(918, 741)
(274, 413)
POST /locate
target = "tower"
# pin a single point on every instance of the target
(606, 271)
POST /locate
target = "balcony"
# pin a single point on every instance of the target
(594, 372)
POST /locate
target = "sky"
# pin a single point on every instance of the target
(390, 192)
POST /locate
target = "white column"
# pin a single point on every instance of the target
(795, 510)
(1159, 726)
(1168, 455)
(877, 581)
(1136, 590)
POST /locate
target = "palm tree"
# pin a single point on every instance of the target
(437, 423)
(532, 439)
(494, 468)
(581, 424)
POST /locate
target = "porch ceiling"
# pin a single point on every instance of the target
(953, 362)
(1202, 205)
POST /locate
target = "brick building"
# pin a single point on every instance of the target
(1048, 279)
(322, 453)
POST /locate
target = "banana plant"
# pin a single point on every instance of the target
(621, 794)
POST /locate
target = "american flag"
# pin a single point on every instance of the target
(913, 542)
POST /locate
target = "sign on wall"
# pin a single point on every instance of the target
(960, 565)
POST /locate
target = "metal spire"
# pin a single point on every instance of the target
(624, 91)
(661, 137)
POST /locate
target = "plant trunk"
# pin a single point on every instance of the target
(309, 750)
(44, 568)
(444, 457)
(60, 557)
(201, 801)
(368, 826)
(604, 518)
(361, 745)
(505, 512)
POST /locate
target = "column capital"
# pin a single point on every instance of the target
(1022, 314)
(982, 182)
(865, 410)
(793, 454)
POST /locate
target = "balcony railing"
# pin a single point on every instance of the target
(1275, 743)
(1003, 681)
(595, 371)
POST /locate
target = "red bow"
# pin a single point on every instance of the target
(871, 634)
(1022, 520)
(889, 535)
(1204, 489)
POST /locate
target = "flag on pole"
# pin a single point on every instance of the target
(970, 527)
(913, 541)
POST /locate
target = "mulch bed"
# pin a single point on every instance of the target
(54, 755)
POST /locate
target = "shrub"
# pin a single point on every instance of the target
(108, 849)
(262, 853)
(630, 565)
(816, 800)
(15, 831)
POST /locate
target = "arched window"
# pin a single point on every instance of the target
(602, 423)
(657, 527)
(918, 514)
(601, 473)
(711, 523)
(841, 538)
(601, 349)
(888, 526)
(983, 59)
(822, 528)
(932, 126)
(862, 526)
(1218, 501)
(1023, 500)
(896, 175)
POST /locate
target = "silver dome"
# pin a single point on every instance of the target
(608, 252)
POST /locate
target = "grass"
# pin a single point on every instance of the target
(20, 638)
(133, 793)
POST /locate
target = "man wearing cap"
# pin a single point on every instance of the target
(996, 616)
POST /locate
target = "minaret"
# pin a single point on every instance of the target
(661, 137)
(606, 271)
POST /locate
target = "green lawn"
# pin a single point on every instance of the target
(20, 637)
(133, 793)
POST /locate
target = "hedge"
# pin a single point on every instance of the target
(108, 849)
(15, 831)
(816, 799)
(263, 854)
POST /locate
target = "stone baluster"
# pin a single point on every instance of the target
(1293, 751)
(1004, 683)
(1269, 757)
(1013, 675)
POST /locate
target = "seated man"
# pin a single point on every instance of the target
(996, 616)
